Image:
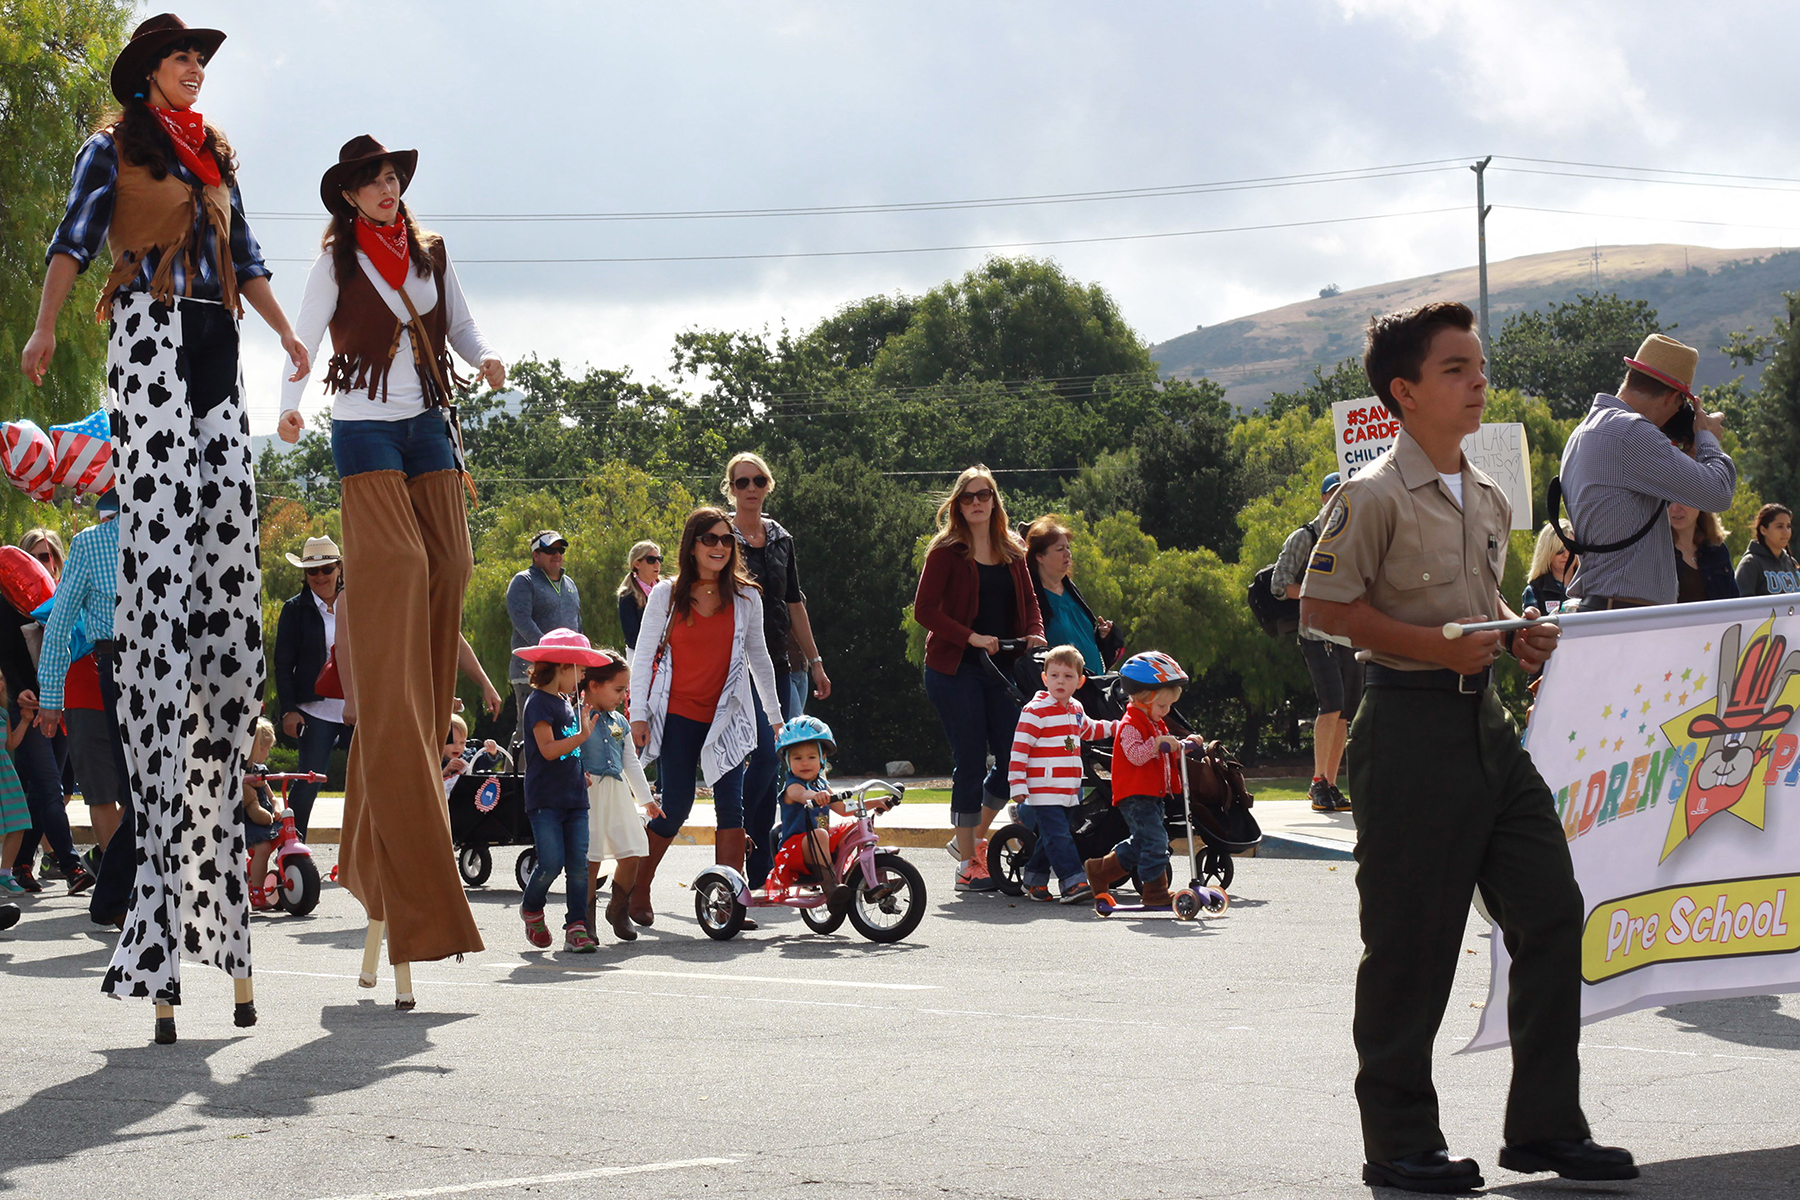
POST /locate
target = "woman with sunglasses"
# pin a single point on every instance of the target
(976, 589)
(643, 571)
(46, 546)
(702, 687)
(768, 553)
(304, 638)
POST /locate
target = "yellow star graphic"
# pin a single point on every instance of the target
(1608, 711)
(1637, 689)
(1706, 647)
(1581, 754)
(1700, 683)
(1646, 706)
(1683, 698)
(1618, 745)
(1666, 696)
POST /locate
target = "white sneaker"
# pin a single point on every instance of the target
(950, 846)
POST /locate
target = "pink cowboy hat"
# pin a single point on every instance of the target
(566, 646)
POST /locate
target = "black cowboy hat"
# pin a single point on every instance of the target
(360, 151)
(149, 42)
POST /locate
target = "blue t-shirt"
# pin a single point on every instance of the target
(1065, 624)
(798, 818)
(551, 783)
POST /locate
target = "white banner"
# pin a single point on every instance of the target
(1363, 431)
(1670, 739)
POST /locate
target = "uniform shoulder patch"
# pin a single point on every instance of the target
(1334, 524)
(1323, 562)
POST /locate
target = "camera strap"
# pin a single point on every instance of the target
(1553, 501)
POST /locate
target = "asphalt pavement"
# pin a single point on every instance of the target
(1006, 1049)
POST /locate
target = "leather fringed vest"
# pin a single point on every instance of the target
(161, 216)
(365, 336)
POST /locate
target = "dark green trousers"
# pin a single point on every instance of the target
(1447, 800)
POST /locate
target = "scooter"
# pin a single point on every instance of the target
(293, 877)
(887, 892)
(1196, 897)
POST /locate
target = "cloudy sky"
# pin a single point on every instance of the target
(686, 107)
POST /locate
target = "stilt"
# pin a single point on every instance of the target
(165, 1024)
(371, 955)
(403, 996)
(244, 1016)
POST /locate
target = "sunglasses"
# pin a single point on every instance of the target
(981, 496)
(712, 539)
(330, 570)
(651, 558)
(556, 549)
(744, 481)
(46, 557)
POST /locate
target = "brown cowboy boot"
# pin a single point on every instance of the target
(641, 912)
(625, 876)
(1156, 892)
(1102, 873)
(728, 851)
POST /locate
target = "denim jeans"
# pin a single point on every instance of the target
(1055, 849)
(118, 866)
(40, 771)
(317, 740)
(417, 445)
(763, 777)
(795, 686)
(979, 718)
(1146, 851)
(561, 835)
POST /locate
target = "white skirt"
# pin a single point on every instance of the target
(615, 826)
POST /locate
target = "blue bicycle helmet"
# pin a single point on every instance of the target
(806, 729)
(1153, 668)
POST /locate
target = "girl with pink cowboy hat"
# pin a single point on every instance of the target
(556, 800)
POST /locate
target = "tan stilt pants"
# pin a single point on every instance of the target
(406, 564)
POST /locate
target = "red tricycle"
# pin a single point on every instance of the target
(887, 898)
(293, 878)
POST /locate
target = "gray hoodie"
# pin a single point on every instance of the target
(1762, 573)
(537, 606)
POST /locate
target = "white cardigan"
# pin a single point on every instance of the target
(732, 736)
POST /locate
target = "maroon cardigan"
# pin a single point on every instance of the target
(948, 596)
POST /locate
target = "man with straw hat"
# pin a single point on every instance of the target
(304, 637)
(1621, 469)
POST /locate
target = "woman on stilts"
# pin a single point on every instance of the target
(387, 292)
(158, 186)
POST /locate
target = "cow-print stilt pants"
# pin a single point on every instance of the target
(190, 617)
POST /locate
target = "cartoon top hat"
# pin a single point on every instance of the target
(1748, 710)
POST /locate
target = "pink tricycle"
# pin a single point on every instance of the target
(293, 877)
(887, 892)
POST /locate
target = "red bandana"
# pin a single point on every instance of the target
(187, 129)
(386, 247)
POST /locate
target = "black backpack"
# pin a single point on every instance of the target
(1276, 614)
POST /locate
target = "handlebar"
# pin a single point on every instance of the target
(284, 777)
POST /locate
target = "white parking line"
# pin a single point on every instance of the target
(715, 977)
(531, 1180)
(1678, 1053)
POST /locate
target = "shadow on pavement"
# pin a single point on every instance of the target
(1746, 1020)
(1746, 1173)
(362, 1045)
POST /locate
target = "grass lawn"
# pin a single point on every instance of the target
(1280, 789)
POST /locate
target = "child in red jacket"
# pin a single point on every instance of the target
(1144, 775)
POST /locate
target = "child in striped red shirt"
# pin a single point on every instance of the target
(1046, 773)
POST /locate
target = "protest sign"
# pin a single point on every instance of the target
(1668, 736)
(1363, 430)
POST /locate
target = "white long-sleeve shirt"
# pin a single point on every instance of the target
(404, 397)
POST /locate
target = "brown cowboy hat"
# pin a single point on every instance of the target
(149, 42)
(360, 151)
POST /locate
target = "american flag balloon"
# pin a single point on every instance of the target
(83, 454)
(27, 458)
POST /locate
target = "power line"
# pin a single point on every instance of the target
(1558, 162)
(1080, 241)
(1347, 175)
(1702, 183)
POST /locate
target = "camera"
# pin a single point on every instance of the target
(1680, 427)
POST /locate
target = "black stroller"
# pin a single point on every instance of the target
(1221, 803)
(488, 809)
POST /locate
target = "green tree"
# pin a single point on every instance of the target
(1569, 352)
(1189, 479)
(1771, 432)
(54, 56)
(1347, 381)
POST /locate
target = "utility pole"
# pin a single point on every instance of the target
(1481, 215)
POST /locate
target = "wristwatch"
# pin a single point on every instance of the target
(814, 661)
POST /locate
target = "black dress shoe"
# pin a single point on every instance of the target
(1570, 1159)
(9, 915)
(1426, 1171)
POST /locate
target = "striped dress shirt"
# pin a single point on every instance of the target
(88, 591)
(1617, 470)
(89, 212)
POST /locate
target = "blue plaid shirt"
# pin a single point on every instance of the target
(88, 592)
(82, 233)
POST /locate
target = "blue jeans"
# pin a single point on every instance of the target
(795, 685)
(1146, 850)
(979, 718)
(561, 835)
(1055, 849)
(418, 445)
(118, 866)
(678, 770)
(317, 740)
(41, 774)
(763, 777)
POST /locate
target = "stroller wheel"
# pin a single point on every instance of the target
(1216, 868)
(474, 864)
(1009, 850)
(525, 865)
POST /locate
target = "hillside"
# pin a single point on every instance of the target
(1703, 292)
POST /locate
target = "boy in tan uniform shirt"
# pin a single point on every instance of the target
(1447, 800)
